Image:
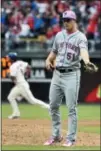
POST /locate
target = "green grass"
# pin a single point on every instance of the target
(94, 129)
(16, 147)
(85, 112)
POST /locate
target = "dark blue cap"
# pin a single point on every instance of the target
(12, 55)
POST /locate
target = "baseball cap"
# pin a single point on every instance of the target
(12, 55)
(69, 14)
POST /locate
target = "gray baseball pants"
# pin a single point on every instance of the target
(64, 84)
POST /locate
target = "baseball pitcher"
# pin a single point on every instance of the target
(18, 69)
(69, 47)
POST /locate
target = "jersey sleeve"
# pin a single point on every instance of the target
(55, 45)
(83, 43)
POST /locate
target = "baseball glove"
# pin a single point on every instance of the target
(91, 67)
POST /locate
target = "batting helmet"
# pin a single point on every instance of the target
(12, 56)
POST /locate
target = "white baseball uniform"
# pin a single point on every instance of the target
(21, 88)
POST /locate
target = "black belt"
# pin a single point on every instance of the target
(64, 70)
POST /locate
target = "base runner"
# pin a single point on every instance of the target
(18, 70)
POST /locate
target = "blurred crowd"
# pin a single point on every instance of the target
(34, 18)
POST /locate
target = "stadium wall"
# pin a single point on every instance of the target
(90, 91)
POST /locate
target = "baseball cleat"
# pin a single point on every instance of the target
(14, 116)
(68, 143)
(53, 140)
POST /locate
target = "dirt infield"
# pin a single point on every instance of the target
(36, 132)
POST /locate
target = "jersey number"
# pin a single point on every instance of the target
(70, 56)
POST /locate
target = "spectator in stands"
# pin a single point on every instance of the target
(54, 18)
(42, 16)
(46, 17)
(3, 16)
(50, 37)
(10, 38)
(38, 25)
(34, 5)
(16, 3)
(42, 6)
(17, 17)
(25, 3)
(98, 30)
(60, 6)
(92, 25)
(29, 19)
(25, 30)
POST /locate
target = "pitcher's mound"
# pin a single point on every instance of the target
(36, 132)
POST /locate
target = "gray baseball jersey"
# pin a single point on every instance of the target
(67, 47)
